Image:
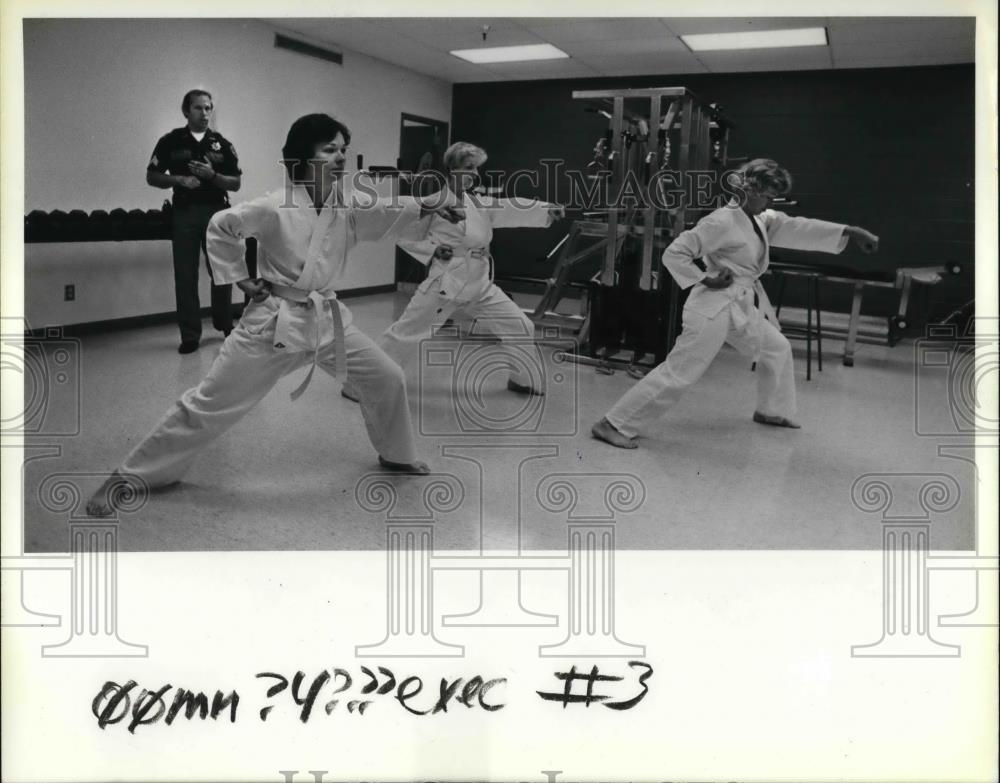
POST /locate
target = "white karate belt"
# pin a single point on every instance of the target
(471, 252)
(474, 252)
(282, 328)
(742, 318)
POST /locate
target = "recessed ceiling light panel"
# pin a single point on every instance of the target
(511, 54)
(758, 39)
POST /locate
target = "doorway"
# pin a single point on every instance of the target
(422, 142)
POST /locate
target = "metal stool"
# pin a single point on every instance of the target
(812, 302)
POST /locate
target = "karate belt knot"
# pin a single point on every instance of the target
(316, 301)
(475, 252)
(742, 312)
(462, 255)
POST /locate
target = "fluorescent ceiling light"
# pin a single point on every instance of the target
(758, 39)
(511, 54)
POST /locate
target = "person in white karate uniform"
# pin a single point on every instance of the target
(294, 320)
(460, 279)
(733, 243)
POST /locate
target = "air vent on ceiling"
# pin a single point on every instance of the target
(284, 42)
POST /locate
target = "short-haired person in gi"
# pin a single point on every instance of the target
(201, 166)
(303, 232)
(460, 278)
(733, 243)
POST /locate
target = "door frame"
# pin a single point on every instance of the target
(400, 263)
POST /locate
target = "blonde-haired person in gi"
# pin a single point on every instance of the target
(460, 279)
(733, 243)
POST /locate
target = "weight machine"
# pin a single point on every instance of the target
(671, 147)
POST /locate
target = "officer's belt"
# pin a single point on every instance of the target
(282, 328)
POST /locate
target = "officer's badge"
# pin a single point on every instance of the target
(216, 146)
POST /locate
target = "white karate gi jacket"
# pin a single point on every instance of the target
(303, 250)
(726, 239)
(469, 273)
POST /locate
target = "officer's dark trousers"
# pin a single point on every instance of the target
(189, 224)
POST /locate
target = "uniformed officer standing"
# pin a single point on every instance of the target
(201, 166)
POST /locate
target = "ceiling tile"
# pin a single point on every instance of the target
(643, 63)
(543, 69)
(643, 68)
(575, 29)
(898, 61)
(486, 77)
(451, 69)
(367, 39)
(624, 48)
(352, 34)
(448, 34)
(805, 58)
(950, 47)
(879, 29)
(637, 46)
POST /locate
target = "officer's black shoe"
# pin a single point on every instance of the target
(188, 346)
(226, 332)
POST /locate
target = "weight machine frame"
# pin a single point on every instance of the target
(645, 125)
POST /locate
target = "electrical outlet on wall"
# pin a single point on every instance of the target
(69, 293)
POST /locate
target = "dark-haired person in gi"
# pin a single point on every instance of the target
(304, 232)
(201, 166)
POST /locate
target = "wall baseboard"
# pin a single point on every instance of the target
(158, 319)
(369, 290)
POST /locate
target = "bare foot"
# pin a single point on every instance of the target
(776, 421)
(99, 504)
(523, 388)
(349, 392)
(605, 430)
(418, 468)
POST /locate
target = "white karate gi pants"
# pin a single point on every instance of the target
(246, 369)
(493, 313)
(700, 341)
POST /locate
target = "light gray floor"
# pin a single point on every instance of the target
(286, 476)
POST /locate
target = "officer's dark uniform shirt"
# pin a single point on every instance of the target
(174, 151)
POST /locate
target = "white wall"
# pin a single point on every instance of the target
(100, 92)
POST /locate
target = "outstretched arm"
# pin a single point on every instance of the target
(378, 218)
(801, 233)
(518, 212)
(865, 240)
